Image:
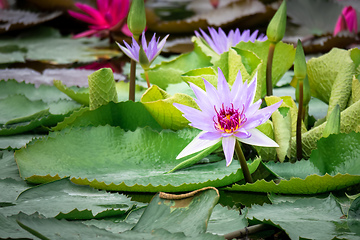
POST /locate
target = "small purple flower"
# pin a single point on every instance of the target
(227, 115)
(152, 50)
(220, 42)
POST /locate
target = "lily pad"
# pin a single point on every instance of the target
(128, 115)
(47, 45)
(64, 199)
(310, 218)
(114, 159)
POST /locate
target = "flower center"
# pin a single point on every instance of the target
(229, 119)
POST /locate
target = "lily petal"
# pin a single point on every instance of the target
(228, 144)
(196, 145)
(258, 139)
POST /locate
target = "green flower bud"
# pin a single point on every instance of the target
(276, 29)
(143, 59)
(137, 18)
(333, 122)
(300, 62)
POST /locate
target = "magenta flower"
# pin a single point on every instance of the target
(227, 116)
(110, 16)
(346, 21)
(220, 42)
(152, 50)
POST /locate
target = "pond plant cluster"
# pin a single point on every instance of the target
(247, 135)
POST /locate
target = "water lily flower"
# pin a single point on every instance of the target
(152, 50)
(110, 16)
(346, 21)
(226, 115)
(220, 42)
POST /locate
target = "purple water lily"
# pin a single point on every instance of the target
(220, 42)
(152, 50)
(227, 115)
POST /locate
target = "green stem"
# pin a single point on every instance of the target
(298, 123)
(243, 164)
(147, 78)
(132, 81)
(269, 88)
(132, 76)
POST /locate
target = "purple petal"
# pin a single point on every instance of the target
(92, 12)
(228, 144)
(212, 93)
(211, 135)
(258, 139)
(261, 116)
(223, 88)
(202, 100)
(197, 118)
(242, 133)
(196, 145)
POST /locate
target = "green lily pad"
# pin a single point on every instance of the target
(42, 92)
(47, 45)
(10, 189)
(128, 115)
(188, 215)
(160, 105)
(309, 218)
(114, 159)
(8, 168)
(63, 199)
(16, 141)
(80, 96)
(332, 166)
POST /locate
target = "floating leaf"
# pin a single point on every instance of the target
(160, 105)
(320, 217)
(49, 227)
(18, 19)
(11, 188)
(16, 141)
(8, 168)
(47, 44)
(63, 199)
(127, 115)
(331, 167)
(113, 159)
(189, 215)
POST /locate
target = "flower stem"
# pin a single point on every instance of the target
(132, 81)
(269, 89)
(147, 78)
(243, 164)
(298, 123)
(132, 76)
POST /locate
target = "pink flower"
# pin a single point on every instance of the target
(110, 16)
(346, 21)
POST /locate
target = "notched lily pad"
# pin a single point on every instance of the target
(18, 19)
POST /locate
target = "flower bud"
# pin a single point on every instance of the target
(137, 18)
(300, 62)
(276, 28)
(143, 59)
(333, 122)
